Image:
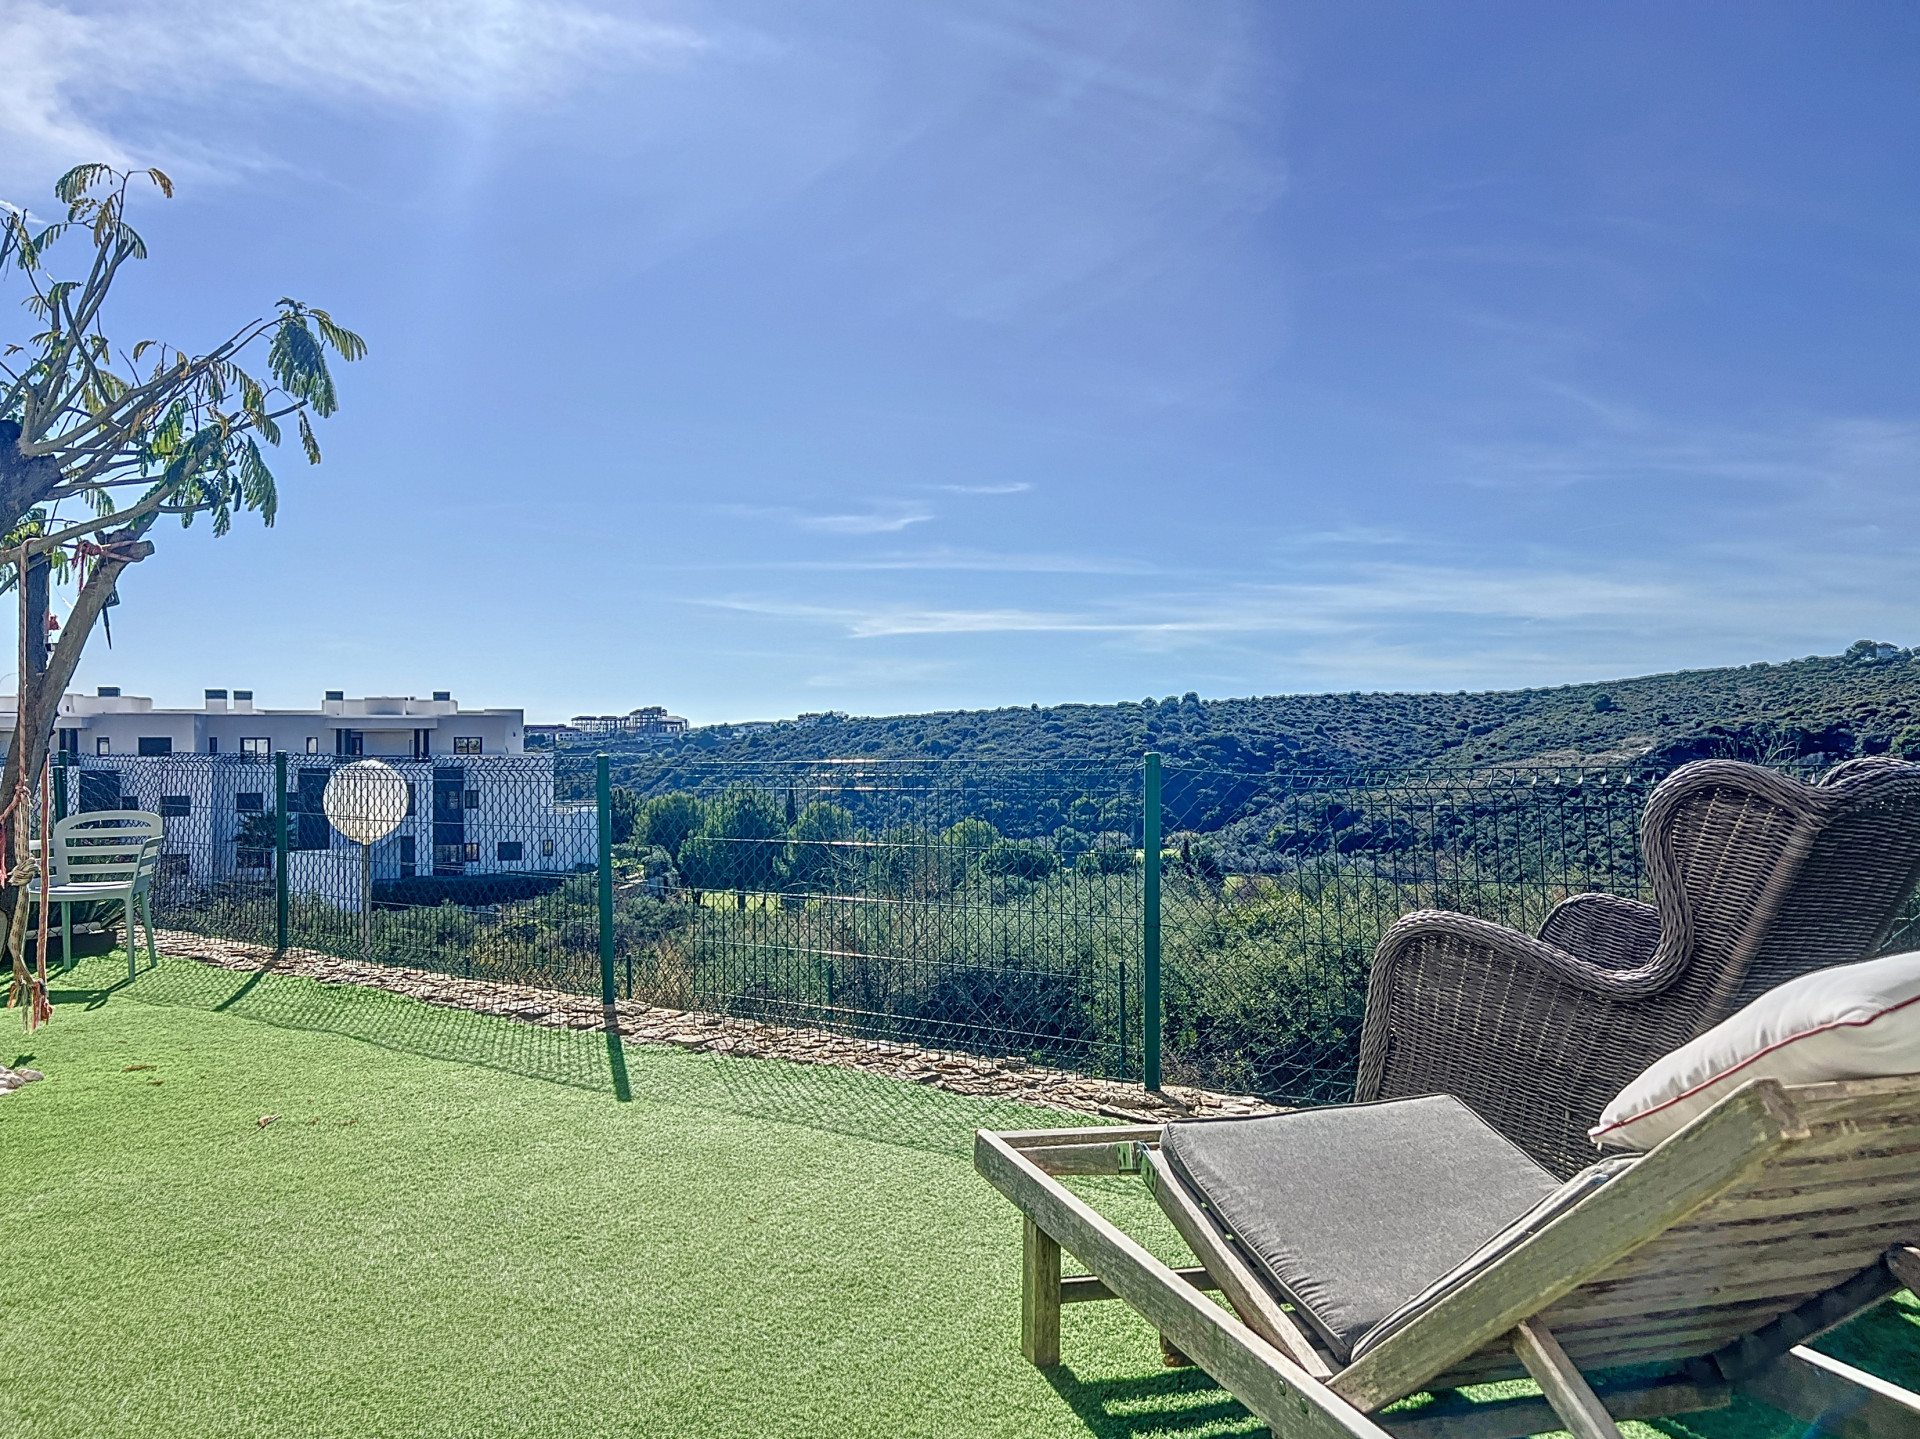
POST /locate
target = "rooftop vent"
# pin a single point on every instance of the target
(106, 692)
(216, 699)
(443, 694)
(336, 694)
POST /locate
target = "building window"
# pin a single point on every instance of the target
(466, 744)
(213, 744)
(250, 801)
(259, 746)
(175, 806)
(307, 805)
(546, 848)
(347, 742)
(470, 853)
(313, 744)
(447, 856)
(409, 802)
(156, 744)
(103, 745)
(69, 741)
(409, 856)
(473, 799)
(510, 850)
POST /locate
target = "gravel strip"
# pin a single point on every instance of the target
(1013, 1079)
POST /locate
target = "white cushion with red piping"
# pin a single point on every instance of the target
(1854, 1021)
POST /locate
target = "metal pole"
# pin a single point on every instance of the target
(366, 902)
(60, 787)
(1150, 927)
(280, 848)
(603, 798)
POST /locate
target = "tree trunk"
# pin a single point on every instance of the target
(40, 707)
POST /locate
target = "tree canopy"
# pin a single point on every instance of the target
(100, 440)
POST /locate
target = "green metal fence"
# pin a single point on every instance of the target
(1160, 923)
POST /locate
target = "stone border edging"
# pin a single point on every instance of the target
(1011, 1079)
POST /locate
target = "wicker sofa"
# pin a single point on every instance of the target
(1756, 878)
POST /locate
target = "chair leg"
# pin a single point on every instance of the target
(1565, 1387)
(132, 940)
(66, 935)
(146, 910)
(1039, 1296)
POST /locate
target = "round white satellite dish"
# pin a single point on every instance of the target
(365, 800)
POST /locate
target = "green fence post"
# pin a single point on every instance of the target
(603, 798)
(1150, 926)
(280, 848)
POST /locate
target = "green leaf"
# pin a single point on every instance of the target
(346, 344)
(161, 180)
(307, 441)
(73, 186)
(257, 489)
(299, 365)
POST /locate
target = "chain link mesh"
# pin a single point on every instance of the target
(993, 908)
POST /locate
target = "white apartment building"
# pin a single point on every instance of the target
(647, 722)
(385, 727)
(479, 805)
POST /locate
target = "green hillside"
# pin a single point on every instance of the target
(1823, 707)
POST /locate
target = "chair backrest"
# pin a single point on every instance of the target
(107, 846)
(1772, 1201)
(1760, 878)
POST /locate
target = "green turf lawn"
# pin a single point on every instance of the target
(456, 1226)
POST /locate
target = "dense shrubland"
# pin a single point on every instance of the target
(1864, 701)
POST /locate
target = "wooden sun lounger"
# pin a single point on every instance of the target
(1774, 1217)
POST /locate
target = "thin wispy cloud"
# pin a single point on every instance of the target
(870, 524)
(1008, 489)
(1369, 605)
(947, 559)
(881, 520)
(99, 81)
(1801, 457)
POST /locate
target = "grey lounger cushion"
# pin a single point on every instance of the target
(1351, 1210)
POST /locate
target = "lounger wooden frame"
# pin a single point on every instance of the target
(1774, 1217)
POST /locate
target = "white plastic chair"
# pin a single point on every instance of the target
(106, 855)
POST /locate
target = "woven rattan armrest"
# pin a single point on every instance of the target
(1605, 930)
(1524, 1032)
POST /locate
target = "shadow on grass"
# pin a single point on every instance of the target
(819, 1096)
(1121, 1408)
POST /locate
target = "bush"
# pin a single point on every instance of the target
(665, 820)
(1019, 859)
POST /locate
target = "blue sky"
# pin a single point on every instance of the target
(753, 358)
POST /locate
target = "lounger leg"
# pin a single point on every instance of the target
(1564, 1385)
(1039, 1296)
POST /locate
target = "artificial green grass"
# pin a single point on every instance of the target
(457, 1225)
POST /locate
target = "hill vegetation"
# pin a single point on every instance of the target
(1813, 710)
